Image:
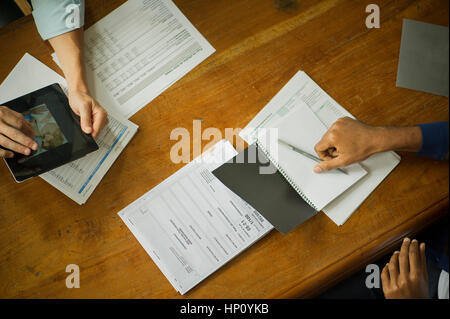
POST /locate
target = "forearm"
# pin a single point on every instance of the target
(408, 139)
(69, 49)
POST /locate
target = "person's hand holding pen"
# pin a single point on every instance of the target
(16, 134)
(349, 141)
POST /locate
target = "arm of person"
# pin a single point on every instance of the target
(349, 141)
(60, 22)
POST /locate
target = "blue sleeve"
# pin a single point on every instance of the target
(434, 140)
(55, 17)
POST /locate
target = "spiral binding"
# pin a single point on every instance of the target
(286, 176)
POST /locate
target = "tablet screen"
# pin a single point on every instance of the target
(57, 132)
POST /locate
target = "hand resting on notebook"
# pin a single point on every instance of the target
(349, 141)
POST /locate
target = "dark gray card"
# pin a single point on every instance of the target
(423, 63)
(270, 194)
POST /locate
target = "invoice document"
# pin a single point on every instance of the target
(301, 89)
(191, 224)
(139, 50)
(79, 178)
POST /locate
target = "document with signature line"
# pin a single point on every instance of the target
(191, 224)
(139, 50)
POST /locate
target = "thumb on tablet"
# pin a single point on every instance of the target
(86, 118)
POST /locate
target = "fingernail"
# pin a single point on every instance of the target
(396, 252)
(317, 169)
(406, 240)
(414, 241)
(34, 146)
(88, 130)
(27, 151)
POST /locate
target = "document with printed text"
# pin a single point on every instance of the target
(79, 178)
(139, 50)
(191, 224)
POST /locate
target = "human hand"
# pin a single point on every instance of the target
(92, 116)
(16, 134)
(405, 276)
(346, 142)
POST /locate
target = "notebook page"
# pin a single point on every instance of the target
(303, 129)
(328, 111)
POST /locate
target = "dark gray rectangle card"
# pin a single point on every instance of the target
(270, 194)
(423, 63)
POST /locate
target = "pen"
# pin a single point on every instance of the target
(306, 154)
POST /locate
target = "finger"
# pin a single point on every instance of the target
(423, 260)
(6, 154)
(414, 257)
(17, 121)
(404, 256)
(393, 267)
(333, 152)
(328, 165)
(100, 120)
(86, 118)
(18, 136)
(322, 147)
(13, 146)
(385, 280)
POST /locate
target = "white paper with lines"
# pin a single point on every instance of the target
(191, 224)
(79, 178)
(302, 88)
(139, 50)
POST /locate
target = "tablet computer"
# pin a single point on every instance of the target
(57, 131)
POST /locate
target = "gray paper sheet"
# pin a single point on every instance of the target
(423, 63)
(270, 194)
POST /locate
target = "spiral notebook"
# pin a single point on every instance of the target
(303, 130)
(293, 193)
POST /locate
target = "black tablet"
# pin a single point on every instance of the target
(57, 132)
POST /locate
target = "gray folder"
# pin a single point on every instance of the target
(423, 63)
(270, 194)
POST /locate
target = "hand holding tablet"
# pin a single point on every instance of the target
(42, 133)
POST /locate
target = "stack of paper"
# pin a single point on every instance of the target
(79, 178)
(191, 224)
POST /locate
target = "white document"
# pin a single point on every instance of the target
(191, 224)
(79, 178)
(303, 129)
(302, 87)
(139, 50)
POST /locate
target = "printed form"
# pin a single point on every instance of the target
(79, 178)
(139, 50)
(191, 224)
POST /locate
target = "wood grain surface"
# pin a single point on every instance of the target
(260, 45)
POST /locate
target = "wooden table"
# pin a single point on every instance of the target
(260, 45)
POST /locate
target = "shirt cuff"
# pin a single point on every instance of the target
(434, 140)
